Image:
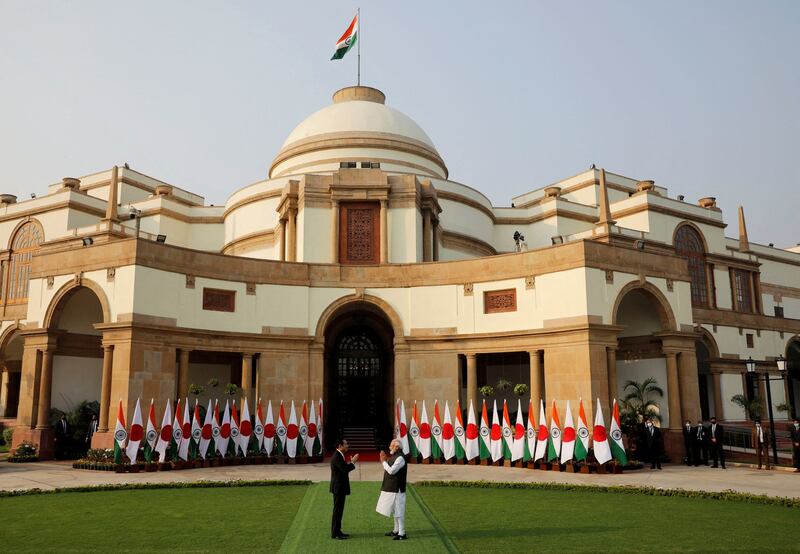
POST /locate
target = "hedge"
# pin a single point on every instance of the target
(728, 495)
(152, 486)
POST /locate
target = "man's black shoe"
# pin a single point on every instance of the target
(390, 534)
(399, 538)
(344, 535)
(339, 537)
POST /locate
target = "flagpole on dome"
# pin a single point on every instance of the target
(358, 45)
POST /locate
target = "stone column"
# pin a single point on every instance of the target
(283, 240)
(673, 391)
(247, 376)
(719, 411)
(536, 376)
(335, 231)
(4, 391)
(426, 235)
(762, 393)
(435, 239)
(472, 379)
(292, 235)
(689, 384)
(611, 366)
(105, 388)
(183, 373)
(45, 391)
(384, 232)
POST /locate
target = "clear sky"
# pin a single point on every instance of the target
(702, 97)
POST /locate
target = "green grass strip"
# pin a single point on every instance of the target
(302, 519)
(445, 538)
(154, 486)
(726, 495)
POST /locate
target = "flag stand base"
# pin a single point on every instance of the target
(473, 462)
(485, 462)
(585, 468)
(412, 459)
(570, 467)
(150, 467)
(437, 461)
(507, 463)
(449, 462)
(302, 460)
(426, 461)
(518, 464)
(601, 469)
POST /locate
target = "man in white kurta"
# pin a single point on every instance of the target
(392, 500)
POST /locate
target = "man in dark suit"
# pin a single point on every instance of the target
(63, 431)
(340, 486)
(795, 432)
(687, 442)
(700, 444)
(760, 440)
(652, 438)
(91, 430)
(715, 433)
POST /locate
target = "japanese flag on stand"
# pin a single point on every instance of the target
(207, 431)
(530, 435)
(413, 433)
(542, 435)
(177, 429)
(582, 442)
(485, 442)
(235, 433)
(508, 433)
(459, 432)
(520, 438)
(151, 436)
(448, 436)
(245, 428)
(269, 430)
(165, 436)
(472, 449)
(312, 442)
(617, 447)
(258, 428)
(320, 431)
(302, 431)
(497, 436)
(402, 429)
(568, 438)
(136, 434)
(554, 444)
(424, 434)
(291, 433)
(120, 435)
(280, 432)
(197, 431)
(186, 427)
(436, 433)
(602, 452)
(224, 431)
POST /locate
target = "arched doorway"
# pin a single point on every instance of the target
(10, 378)
(359, 376)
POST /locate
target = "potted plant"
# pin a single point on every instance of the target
(486, 391)
(503, 385)
(25, 451)
(521, 389)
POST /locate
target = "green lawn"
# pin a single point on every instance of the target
(237, 519)
(512, 520)
(296, 518)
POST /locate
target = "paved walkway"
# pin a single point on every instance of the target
(48, 475)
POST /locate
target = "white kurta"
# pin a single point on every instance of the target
(392, 503)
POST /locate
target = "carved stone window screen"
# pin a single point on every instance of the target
(219, 300)
(498, 301)
(359, 233)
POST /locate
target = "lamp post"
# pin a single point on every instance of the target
(750, 364)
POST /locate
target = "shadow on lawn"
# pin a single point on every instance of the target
(529, 532)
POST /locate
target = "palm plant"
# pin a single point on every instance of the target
(639, 402)
(751, 407)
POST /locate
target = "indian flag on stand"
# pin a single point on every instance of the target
(485, 442)
(554, 444)
(508, 434)
(530, 435)
(347, 40)
(436, 433)
(258, 428)
(582, 444)
(413, 433)
(120, 435)
(617, 448)
(280, 432)
(151, 435)
(458, 431)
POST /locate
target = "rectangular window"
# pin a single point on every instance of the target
(749, 338)
(219, 300)
(498, 301)
(364, 165)
(348, 165)
(742, 295)
(778, 311)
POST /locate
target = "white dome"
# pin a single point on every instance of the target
(358, 126)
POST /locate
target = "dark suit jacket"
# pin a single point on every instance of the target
(61, 432)
(703, 439)
(340, 478)
(716, 435)
(653, 441)
(795, 437)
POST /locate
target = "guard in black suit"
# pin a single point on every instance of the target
(63, 433)
(687, 442)
(340, 486)
(796, 444)
(652, 438)
(700, 444)
(715, 433)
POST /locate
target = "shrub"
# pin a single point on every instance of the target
(8, 434)
(521, 389)
(486, 391)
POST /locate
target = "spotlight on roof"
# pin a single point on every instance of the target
(680, 197)
(33, 195)
(558, 239)
(87, 241)
(638, 244)
(161, 238)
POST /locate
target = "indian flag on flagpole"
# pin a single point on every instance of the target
(120, 435)
(530, 435)
(347, 40)
(554, 444)
(459, 432)
(484, 444)
(151, 435)
(413, 433)
(617, 448)
(582, 444)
